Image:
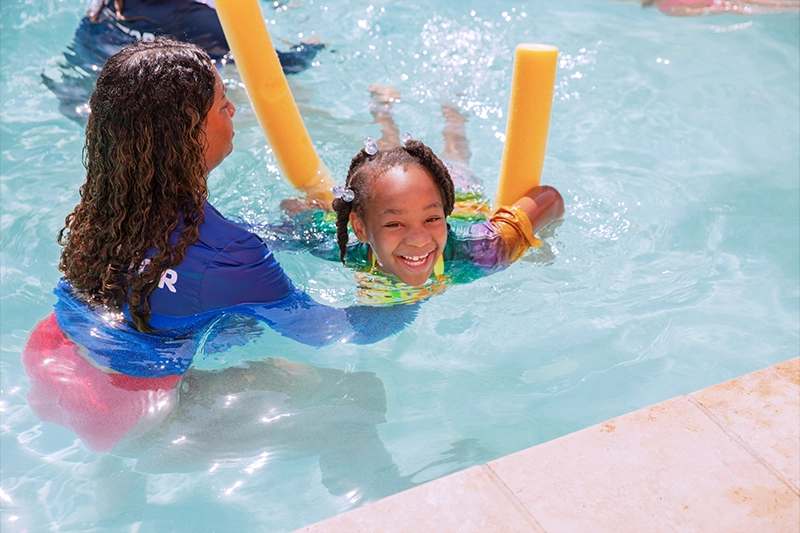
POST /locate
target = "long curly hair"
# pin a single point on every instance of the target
(145, 174)
(365, 169)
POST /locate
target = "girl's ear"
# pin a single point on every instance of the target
(358, 227)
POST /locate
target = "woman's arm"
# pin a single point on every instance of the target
(246, 278)
(306, 321)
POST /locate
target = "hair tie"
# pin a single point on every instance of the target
(370, 146)
(343, 193)
(406, 137)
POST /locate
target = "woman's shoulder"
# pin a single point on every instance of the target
(217, 232)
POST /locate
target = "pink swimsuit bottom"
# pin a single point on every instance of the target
(100, 407)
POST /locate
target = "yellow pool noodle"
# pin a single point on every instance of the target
(528, 121)
(274, 105)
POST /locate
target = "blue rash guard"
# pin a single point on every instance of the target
(227, 266)
(227, 273)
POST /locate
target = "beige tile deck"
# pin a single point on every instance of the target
(469, 500)
(762, 410)
(725, 459)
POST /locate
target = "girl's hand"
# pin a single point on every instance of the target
(295, 206)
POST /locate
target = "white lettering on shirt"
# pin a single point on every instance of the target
(168, 278)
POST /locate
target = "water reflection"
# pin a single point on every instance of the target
(250, 415)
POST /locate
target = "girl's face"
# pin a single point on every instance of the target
(404, 224)
(218, 127)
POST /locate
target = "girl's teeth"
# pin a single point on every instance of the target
(415, 258)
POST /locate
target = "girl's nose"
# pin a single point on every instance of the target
(417, 237)
(231, 109)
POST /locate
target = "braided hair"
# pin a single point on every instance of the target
(364, 171)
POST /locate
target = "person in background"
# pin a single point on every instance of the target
(695, 8)
(109, 25)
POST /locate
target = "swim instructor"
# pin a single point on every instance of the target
(180, 281)
(144, 239)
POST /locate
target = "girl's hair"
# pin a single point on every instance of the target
(145, 174)
(364, 171)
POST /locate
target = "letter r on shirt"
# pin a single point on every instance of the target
(168, 278)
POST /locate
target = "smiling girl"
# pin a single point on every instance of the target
(417, 221)
(398, 203)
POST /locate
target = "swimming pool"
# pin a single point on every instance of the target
(676, 145)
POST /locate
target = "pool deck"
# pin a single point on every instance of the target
(723, 459)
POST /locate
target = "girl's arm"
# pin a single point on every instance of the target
(509, 232)
(543, 204)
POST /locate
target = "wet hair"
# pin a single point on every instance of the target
(145, 174)
(364, 171)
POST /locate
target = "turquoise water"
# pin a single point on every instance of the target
(676, 145)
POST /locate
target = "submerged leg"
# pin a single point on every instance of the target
(456, 146)
(358, 465)
(281, 408)
(456, 153)
(381, 108)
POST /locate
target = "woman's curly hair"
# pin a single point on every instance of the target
(365, 169)
(145, 174)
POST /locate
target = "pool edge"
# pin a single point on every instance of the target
(724, 458)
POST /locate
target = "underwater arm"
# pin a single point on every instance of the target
(245, 278)
(300, 318)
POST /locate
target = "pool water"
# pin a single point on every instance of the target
(676, 145)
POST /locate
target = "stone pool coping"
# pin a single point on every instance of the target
(725, 458)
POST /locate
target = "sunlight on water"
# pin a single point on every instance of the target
(674, 142)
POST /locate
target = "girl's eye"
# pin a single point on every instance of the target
(392, 225)
(434, 219)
